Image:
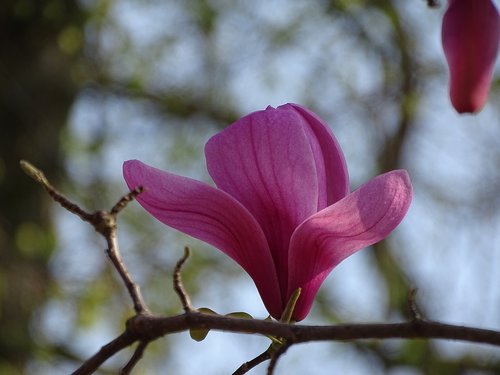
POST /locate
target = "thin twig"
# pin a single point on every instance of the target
(92, 364)
(104, 222)
(274, 350)
(133, 288)
(247, 366)
(39, 177)
(136, 357)
(275, 356)
(178, 286)
(126, 199)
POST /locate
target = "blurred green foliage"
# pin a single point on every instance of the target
(35, 97)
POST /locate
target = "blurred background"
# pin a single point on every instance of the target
(85, 85)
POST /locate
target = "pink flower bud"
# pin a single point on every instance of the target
(470, 36)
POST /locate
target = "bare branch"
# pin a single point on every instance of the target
(93, 363)
(155, 327)
(39, 177)
(247, 366)
(178, 286)
(115, 257)
(145, 327)
(122, 203)
(104, 222)
(139, 352)
(275, 356)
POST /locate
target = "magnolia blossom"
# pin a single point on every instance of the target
(470, 36)
(282, 208)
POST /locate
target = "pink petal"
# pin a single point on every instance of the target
(265, 161)
(330, 163)
(212, 216)
(470, 36)
(361, 219)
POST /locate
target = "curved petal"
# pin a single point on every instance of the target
(265, 161)
(363, 218)
(333, 179)
(470, 36)
(212, 216)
